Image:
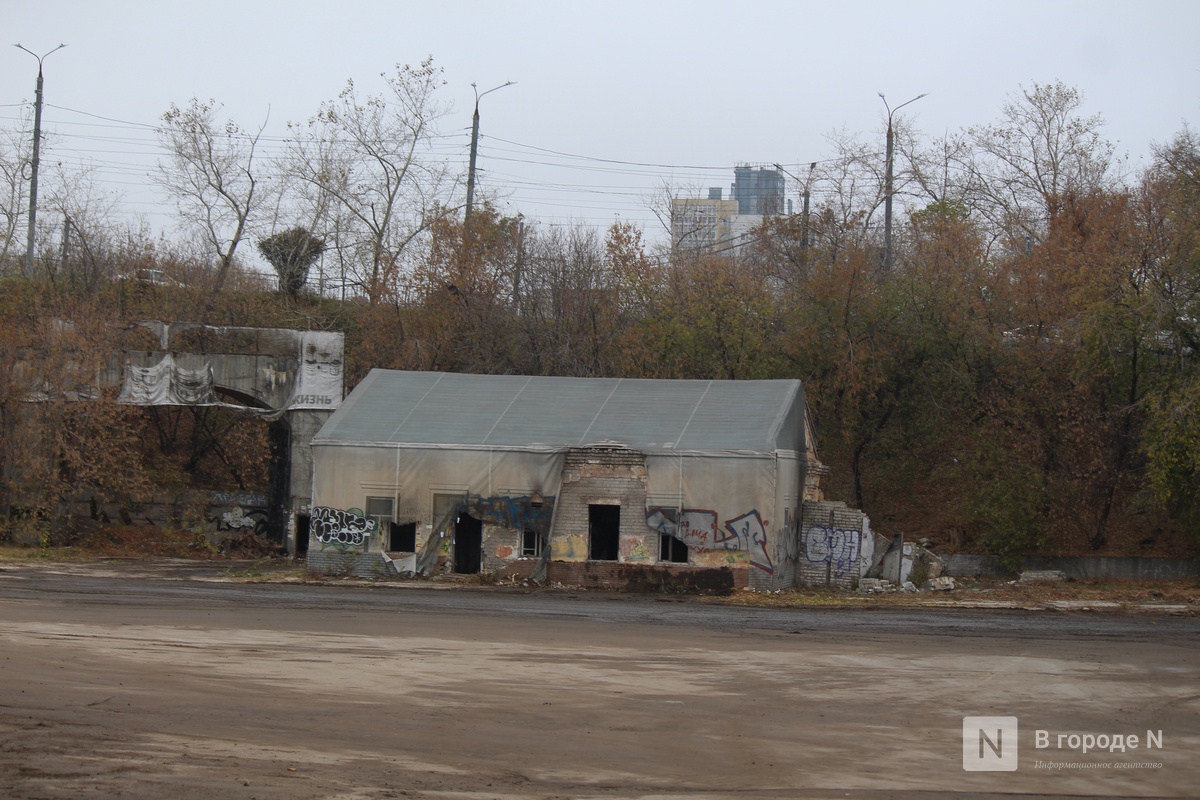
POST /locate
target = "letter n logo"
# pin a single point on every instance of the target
(989, 744)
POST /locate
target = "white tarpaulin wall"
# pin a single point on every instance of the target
(319, 382)
(349, 473)
(716, 501)
(168, 384)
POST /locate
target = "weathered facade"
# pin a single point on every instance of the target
(292, 377)
(604, 482)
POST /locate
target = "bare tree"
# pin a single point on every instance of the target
(1035, 158)
(211, 174)
(371, 175)
(15, 152)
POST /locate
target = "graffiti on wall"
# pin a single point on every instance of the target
(342, 529)
(751, 534)
(838, 548)
(634, 550)
(789, 536)
(243, 499)
(238, 518)
(694, 527)
(698, 528)
(518, 513)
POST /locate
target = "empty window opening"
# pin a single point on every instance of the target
(532, 544)
(672, 550)
(604, 532)
(380, 509)
(402, 538)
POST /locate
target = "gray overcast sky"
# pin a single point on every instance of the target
(676, 84)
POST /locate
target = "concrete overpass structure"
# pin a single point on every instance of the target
(292, 378)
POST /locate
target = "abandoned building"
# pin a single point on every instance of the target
(293, 378)
(582, 481)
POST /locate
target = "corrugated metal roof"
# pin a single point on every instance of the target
(441, 408)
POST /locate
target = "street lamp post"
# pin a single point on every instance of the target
(475, 150)
(37, 137)
(887, 182)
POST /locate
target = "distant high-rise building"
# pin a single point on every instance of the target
(702, 224)
(716, 225)
(758, 191)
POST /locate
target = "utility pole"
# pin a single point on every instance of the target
(807, 187)
(66, 241)
(474, 151)
(887, 183)
(37, 137)
(807, 184)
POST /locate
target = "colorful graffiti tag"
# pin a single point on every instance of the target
(342, 529)
(519, 513)
(751, 534)
(694, 527)
(698, 528)
(838, 548)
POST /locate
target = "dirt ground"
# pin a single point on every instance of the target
(143, 682)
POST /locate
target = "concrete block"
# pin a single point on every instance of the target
(873, 585)
(943, 584)
(1043, 575)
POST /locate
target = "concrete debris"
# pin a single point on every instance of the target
(880, 586)
(874, 586)
(1043, 575)
(943, 584)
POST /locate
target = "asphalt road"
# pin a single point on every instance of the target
(137, 682)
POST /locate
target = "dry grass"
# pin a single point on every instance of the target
(141, 541)
(1131, 592)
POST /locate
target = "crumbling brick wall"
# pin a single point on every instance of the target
(836, 545)
(603, 476)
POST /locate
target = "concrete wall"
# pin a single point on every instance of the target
(1122, 567)
(302, 425)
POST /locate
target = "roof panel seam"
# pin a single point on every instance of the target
(504, 413)
(600, 411)
(679, 438)
(417, 405)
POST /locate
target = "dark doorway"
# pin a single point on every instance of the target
(302, 521)
(278, 479)
(604, 532)
(468, 545)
